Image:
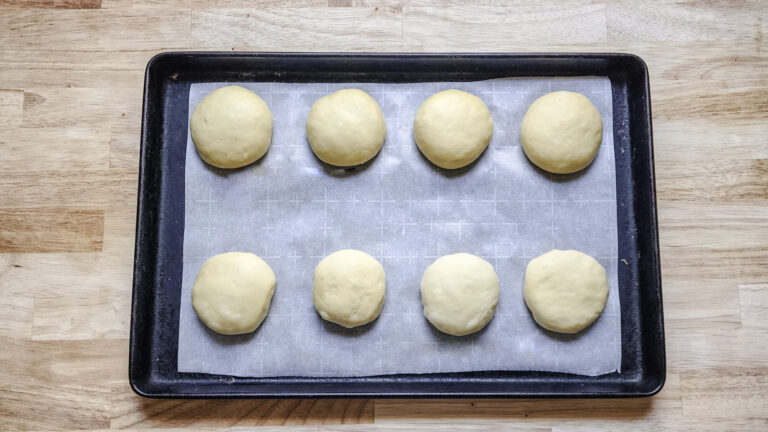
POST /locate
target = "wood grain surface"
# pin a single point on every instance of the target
(70, 103)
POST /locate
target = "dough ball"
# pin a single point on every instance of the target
(561, 132)
(349, 288)
(346, 128)
(232, 292)
(231, 127)
(460, 293)
(452, 128)
(565, 290)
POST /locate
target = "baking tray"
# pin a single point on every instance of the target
(160, 224)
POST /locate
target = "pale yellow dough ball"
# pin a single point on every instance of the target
(232, 292)
(452, 128)
(231, 127)
(346, 128)
(349, 288)
(565, 290)
(459, 293)
(561, 132)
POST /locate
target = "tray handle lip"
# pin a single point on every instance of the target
(141, 385)
(656, 382)
(162, 56)
(140, 390)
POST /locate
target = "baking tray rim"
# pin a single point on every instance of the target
(141, 388)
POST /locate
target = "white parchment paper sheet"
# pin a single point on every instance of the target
(292, 210)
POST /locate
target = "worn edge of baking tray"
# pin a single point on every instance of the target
(149, 273)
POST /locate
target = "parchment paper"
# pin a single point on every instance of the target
(292, 210)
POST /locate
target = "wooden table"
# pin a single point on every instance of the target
(70, 103)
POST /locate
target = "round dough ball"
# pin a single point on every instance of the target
(565, 290)
(459, 293)
(232, 292)
(452, 128)
(561, 132)
(346, 128)
(349, 288)
(231, 127)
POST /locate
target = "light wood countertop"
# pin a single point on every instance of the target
(71, 78)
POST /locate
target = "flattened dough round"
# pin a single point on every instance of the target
(452, 128)
(565, 290)
(349, 288)
(346, 128)
(231, 127)
(561, 132)
(459, 293)
(232, 292)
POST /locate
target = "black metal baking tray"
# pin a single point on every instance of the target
(160, 224)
